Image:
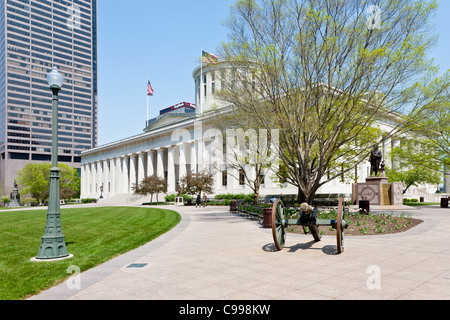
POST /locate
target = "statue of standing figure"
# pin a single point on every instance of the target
(376, 158)
(15, 197)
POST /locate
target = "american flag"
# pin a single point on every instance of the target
(209, 58)
(149, 89)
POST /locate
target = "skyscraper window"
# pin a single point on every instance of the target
(34, 37)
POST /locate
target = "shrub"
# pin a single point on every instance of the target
(88, 201)
(25, 201)
(153, 203)
(241, 196)
(171, 197)
(5, 201)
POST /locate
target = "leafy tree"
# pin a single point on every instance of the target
(5, 201)
(414, 163)
(151, 185)
(248, 156)
(324, 74)
(34, 179)
(435, 125)
(196, 183)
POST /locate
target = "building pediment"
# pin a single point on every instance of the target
(172, 115)
(167, 119)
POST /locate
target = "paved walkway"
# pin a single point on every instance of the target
(216, 255)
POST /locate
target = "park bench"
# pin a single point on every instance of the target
(249, 210)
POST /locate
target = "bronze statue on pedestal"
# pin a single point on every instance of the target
(376, 158)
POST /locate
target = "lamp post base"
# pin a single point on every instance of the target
(35, 259)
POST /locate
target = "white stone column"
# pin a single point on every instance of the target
(150, 164)
(98, 180)
(268, 179)
(125, 174)
(194, 157)
(141, 167)
(387, 149)
(106, 177)
(202, 156)
(218, 180)
(251, 172)
(113, 175)
(182, 161)
(160, 163)
(92, 179)
(119, 188)
(133, 171)
(83, 180)
(171, 185)
(395, 164)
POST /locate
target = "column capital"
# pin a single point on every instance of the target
(183, 144)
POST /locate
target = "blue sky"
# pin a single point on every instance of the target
(162, 41)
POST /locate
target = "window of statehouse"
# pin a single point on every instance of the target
(224, 178)
(204, 85)
(241, 177)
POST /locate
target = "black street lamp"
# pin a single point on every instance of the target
(53, 245)
(101, 191)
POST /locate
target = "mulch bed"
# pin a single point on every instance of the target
(366, 225)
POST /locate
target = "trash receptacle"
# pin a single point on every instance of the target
(267, 218)
(444, 203)
(364, 206)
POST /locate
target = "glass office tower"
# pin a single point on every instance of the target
(36, 35)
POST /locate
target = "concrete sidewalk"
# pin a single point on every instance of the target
(216, 255)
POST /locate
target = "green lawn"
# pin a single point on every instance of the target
(93, 236)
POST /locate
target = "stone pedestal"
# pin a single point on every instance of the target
(179, 201)
(379, 192)
(15, 198)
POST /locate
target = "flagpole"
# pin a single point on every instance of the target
(146, 121)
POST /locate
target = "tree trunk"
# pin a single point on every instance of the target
(306, 197)
(301, 197)
(256, 199)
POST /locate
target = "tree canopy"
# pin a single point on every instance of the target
(325, 73)
(34, 179)
(415, 163)
(194, 183)
(150, 185)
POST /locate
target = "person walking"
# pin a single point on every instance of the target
(204, 199)
(198, 202)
